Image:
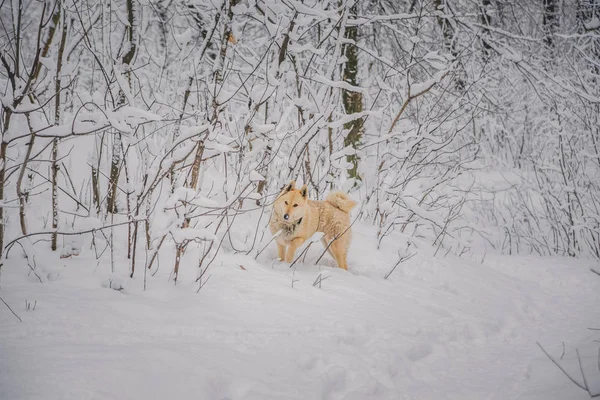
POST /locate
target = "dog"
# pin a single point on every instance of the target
(295, 218)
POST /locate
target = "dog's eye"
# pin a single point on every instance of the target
(295, 205)
(286, 203)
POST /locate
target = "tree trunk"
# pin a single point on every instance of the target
(111, 201)
(448, 34)
(586, 11)
(177, 130)
(444, 23)
(54, 168)
(486, 21)
(186, 222)
(550, 21)
(352, 100)
(3, 147)
(196, 165)
(217, 80)
(128, 204)
(227, 37)
(21, 194)
(115, 167)
(57, 113)
(95, 175)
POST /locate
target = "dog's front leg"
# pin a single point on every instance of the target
(281, 251)
(291, 250)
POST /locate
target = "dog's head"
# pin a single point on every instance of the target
(291, 203)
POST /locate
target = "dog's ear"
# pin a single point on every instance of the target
(290, 186)
(304, 191)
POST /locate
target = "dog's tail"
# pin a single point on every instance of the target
(341, 201)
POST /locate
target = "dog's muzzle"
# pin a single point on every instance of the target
(286, 217)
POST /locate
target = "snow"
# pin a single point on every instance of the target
(189, 131)
(256, 177)
(123, 84)
(417, 89)
(592, 24)
(262, 128)
(254, 196)
(339, 122)
(301, 8)
(224, 139)
(48, 63)
(183, 38)
(479, 166)
(296, 48)
(338, 84)
(124, 119)
(438, 328)
(413, 205)
(191, 196)
(182, 194)
(383, 85)
(221, 148)
(392, 17)
(181, 235)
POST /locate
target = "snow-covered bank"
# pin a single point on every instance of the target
(438, 328)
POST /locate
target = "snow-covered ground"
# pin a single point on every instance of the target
(438, 328)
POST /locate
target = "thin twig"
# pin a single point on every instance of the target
(301, 254)
(263, 249)
(340, 235)
(599, 359)
(11, 310)
(12, 242)
(31, 267)
(320, 279)
(581, 369)
(401, 260)
(561, 368)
